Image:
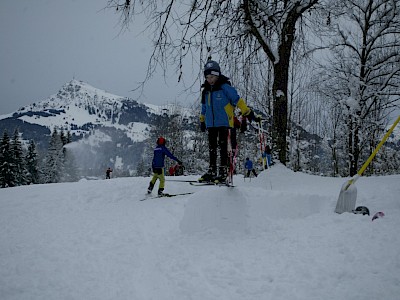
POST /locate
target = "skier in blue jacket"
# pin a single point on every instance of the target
(218, 103)
(160, 151)
(248, 165)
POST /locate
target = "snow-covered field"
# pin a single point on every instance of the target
(276, 237)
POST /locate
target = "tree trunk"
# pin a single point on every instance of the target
(280, 87)
(279, 127)
(354, 148)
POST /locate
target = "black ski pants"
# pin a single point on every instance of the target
(252, 170)
(218, 137)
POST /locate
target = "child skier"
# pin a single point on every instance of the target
(160, 151)
(249, 168)
(218, 103)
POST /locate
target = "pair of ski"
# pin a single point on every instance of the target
(150, 196)
(232, 161)
(204, 183)
(192, 182)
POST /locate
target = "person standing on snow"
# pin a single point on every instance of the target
(108, 173)
(248, 165)
(160, 151)
(267, 155)
(218, 102)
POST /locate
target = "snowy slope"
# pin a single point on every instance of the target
(275, 237)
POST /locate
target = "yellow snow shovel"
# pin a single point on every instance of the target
(348, 193)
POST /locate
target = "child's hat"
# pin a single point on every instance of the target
(161, 141)
(212, 67)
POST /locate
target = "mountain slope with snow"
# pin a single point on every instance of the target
(78, 104)
(274, 237)
(106, 129)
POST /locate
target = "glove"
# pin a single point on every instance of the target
(203, 126)
(252, 117)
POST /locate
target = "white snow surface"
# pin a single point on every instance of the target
(274, 237)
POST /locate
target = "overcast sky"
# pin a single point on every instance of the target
(46, 43)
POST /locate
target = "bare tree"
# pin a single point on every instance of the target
(363, 74)
(242, 33)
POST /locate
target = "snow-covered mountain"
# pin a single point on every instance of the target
(78, 106)
(106, 129)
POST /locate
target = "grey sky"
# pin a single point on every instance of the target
(46, 43)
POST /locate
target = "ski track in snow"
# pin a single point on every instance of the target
(274, 237)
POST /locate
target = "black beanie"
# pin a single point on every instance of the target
(212, 67)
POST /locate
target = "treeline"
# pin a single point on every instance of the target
(23, 166)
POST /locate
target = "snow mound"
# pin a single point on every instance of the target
(243, 209)
(213, 210)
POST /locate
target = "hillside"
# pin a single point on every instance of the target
(276, 237)
(107, 130)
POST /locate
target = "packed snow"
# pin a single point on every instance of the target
(274, 237)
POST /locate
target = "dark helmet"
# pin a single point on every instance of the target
(247, 158)
(161, 141)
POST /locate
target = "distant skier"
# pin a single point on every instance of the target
(160, 151)
(178, 170)
(108, 173)
(218, 102)
(268, 155)
(175, 170)
(171, 170)
(249, 167)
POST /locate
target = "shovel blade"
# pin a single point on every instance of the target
(347, 198)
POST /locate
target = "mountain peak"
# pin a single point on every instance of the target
(77, 87)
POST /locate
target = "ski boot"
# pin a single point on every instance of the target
(161, 192)
(221, 178)
(150, 188)
(208, 177)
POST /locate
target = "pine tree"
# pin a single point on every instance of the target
(141, 169)
(18, 164)
(54, 161)
(63, 138)
(68, 137)
(5, 161)
(32, 164)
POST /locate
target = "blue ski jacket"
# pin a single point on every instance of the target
(248, 165)
(218, 104)
(160, 151)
